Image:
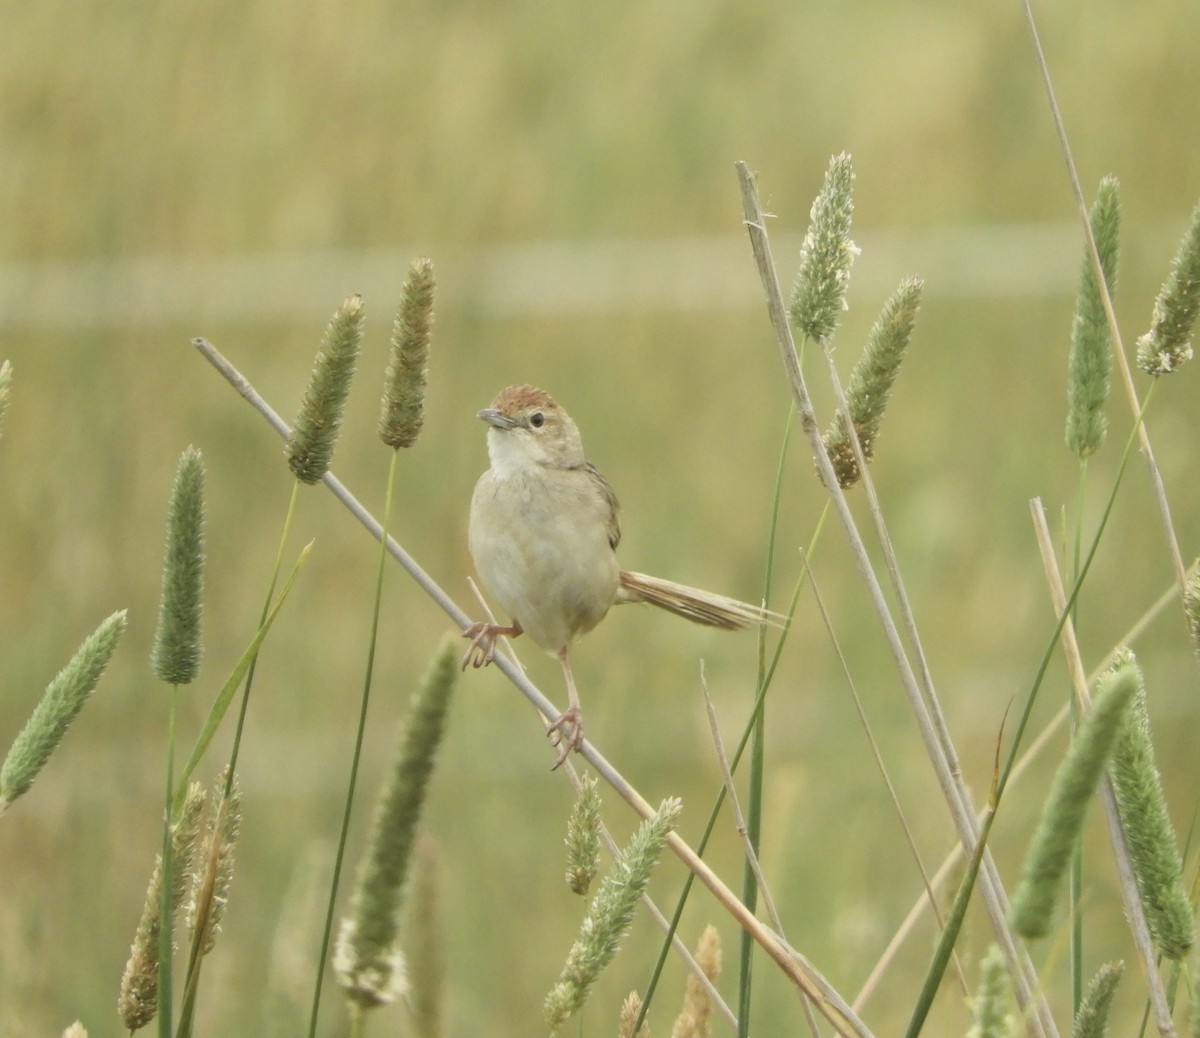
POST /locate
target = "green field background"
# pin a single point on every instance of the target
(232, 170)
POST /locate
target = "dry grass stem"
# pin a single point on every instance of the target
(735, 806)
(948, 775)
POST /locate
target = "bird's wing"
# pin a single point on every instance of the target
(609, 498)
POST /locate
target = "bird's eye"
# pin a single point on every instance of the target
(537, 419)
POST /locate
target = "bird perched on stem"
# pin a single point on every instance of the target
(543, 534)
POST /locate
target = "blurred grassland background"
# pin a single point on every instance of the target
(233, 170)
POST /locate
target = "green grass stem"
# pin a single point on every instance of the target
(754, 794)
(356, 757)
(244, 668)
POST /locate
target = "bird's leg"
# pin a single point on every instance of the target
(572, 718)
(483, 635)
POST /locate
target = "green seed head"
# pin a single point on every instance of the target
(1168, 343)
(403, 408)
(1090, 362)
(819, 292)
(314, 436)
(176, 654)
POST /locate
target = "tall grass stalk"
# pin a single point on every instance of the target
(991, 1003)
(954, 924)
(949, 778)
(166, 936)
(757, 728)
(1153, 847)
(1091, 1018)
(669, 927)
(356, 755)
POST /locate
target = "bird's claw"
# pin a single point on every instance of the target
(559, 737)
(482, 649)
(483, 635)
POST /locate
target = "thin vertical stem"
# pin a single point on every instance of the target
(167, 872)
(322, 958)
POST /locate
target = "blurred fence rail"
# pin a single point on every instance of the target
(541, 278)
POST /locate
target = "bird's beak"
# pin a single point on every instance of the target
(497, 419)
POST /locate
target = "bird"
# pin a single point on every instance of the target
(543, 533)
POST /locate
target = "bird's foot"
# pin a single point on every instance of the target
(566, 734)
(483, 635)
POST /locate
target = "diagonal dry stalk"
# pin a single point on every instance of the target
(1028, 988)
(810, 982)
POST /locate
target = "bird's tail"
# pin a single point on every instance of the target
(702, 607)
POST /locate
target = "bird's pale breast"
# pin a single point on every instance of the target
(541, 548)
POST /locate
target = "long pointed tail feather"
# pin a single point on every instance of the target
(702, 607)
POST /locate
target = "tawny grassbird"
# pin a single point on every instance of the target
(543, 534)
